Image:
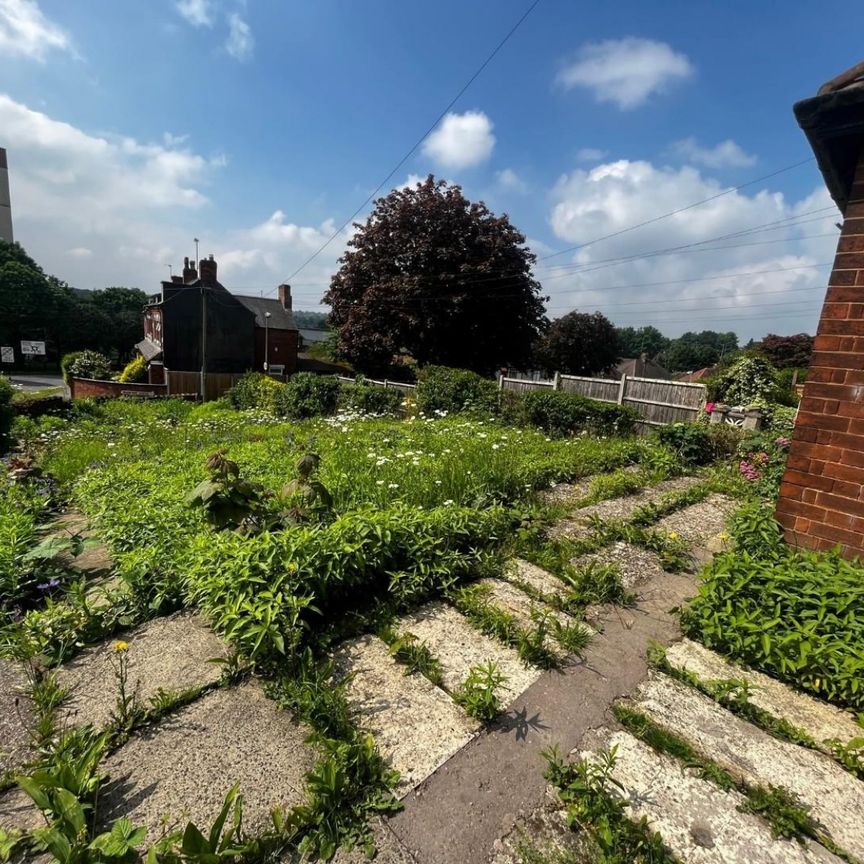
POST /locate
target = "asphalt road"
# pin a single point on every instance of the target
(35, 382)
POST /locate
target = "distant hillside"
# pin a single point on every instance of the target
(310, 320)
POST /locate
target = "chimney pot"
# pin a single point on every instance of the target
(208, 271)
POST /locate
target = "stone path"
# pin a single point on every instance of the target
(458, 646)
(577, 526)
(16, 718)
(95, 560)
(171, 654)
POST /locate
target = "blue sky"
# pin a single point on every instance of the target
(259, 127)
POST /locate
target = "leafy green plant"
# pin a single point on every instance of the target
(255, 391)
(443, 390)
(228, 500)
(6, 394)
(691, 443)
(134, 370)
(414, 655)
(127, 708)
(307, 498)
(370, 399)
(87, 364)
(307, 395)
(596, 806)
(749, 380)
(478, 694)
(563, 414)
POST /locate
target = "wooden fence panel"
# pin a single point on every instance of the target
(657, 402)
(216, 384)
(593, 388)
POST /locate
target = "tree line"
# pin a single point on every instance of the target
(35, 306)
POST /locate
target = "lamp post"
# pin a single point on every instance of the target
(266, 341)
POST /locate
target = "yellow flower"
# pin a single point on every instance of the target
(673, 535)
(121, 646)
(724, 536)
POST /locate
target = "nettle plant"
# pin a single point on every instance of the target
(228, 500)
(306, 498)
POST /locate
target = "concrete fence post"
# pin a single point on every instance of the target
(622, 388)
(556, 381)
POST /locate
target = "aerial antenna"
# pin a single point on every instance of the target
(196, 252)
(170, 272)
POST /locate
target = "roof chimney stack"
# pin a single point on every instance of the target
(190, 274)
(285, 296)
(208, 271)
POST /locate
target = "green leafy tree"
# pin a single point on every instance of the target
(438, 277)
(693, 351)
(579, 343)
(633, 341)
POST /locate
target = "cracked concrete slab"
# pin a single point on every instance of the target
(535, 577)
(95, 560)
(635, 564)
(576, 526)
(170, 653)
(17, 718)
(698, 821)
(458, 646)
(183, 767)
(509, 598)
(818, 719)
(835, 796)
(18, 812)
(416, 725)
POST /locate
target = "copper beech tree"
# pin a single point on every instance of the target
(437, 277)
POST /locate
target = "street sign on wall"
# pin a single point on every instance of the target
(32, 348)
(7, 354)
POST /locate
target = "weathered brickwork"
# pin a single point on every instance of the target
(822, 496)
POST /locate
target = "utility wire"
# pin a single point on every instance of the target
(419, 141)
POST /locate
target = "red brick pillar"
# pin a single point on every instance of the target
(822, 495)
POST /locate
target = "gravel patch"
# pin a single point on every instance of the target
(635, 564)
(700, 524)
(171, 653)
(535, 577)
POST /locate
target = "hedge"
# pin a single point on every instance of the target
(562, 414)
(442, 389)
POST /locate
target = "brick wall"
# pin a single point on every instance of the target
(90, 388)
(822, 495)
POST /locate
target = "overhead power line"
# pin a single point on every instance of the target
(419, 141)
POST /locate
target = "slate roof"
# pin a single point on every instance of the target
(280, 317)
(635, 367)
(833, 122)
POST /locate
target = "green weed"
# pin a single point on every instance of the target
(478, 694)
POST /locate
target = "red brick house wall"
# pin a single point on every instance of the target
(282, 348)
(822, 496)
(90, 388)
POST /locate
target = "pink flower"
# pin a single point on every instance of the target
(709, 407)
(783, 442)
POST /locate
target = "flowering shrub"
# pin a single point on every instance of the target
(750, 381)
(134, 370)
(87, 364)
(762, 460)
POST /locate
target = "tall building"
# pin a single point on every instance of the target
(5, 201)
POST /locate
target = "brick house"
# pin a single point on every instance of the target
(240, 333)
(822, 495)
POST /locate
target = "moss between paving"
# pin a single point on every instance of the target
(171, 653)
(184, 767)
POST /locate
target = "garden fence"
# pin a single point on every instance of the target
(393, 385)
(657, 402)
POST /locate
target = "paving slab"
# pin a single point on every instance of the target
(757, 758)
(388, 849)
(821, 720)
(522, 607)
(183, 767)
(618, 509)
(17, 718)
(171, 653)
(95, 560)
(698, 821)
(701, 524)
(635, 564)
(416, 725)
(475, 798)
(519, 571)
(18, 812)
(458, 646)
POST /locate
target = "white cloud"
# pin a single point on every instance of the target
(96, 210)
(410, 181)
(689, 289)
(590, 154)
(625, 71)
(726, 154)
(461, 140)
(240, 42)
(510, 180)
(26, 32)
(199, 13)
